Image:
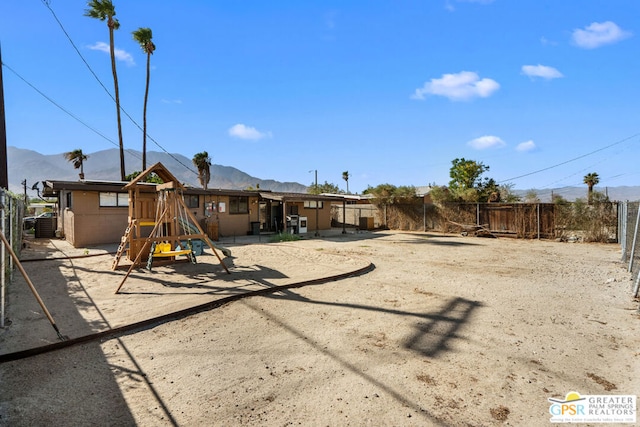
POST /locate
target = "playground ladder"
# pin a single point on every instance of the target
(123, 244)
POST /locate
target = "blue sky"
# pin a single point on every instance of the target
(541, 91)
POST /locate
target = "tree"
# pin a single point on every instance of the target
(388, 194)
(143, 36)
(152, 177)
(105, 10)
(532, 197)
(202, 161)
(345, 176)
(77, 157)
(323, 188)
(467, 183)
(465, 174)
(507, 195)
(591, 179)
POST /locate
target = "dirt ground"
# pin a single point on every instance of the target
(441, 330)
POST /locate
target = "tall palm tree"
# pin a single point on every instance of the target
(591, 179)
(345, 176)
(105, 10)
(202, 161)
(77, 157)
(143, 36)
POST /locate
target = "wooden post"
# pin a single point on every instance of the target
(33, 288)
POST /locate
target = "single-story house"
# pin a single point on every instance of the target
(96, 212)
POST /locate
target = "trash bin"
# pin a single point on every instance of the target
(255, 228)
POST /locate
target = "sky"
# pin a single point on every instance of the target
(541, 91)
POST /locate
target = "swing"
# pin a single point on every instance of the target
(163, 248)
(174, 227)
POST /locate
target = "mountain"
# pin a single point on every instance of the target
(105, 165)
(620, 194)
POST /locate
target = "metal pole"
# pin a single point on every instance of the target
(424, 216)
(317, 192)
(622, 228)
(344, 215)
(635, 238)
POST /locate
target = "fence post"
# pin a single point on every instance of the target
(538, 218)
(622, 227)
(424, 216)
(635, 237)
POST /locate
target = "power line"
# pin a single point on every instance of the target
(48, 6)
(133, 153)
(571, 160)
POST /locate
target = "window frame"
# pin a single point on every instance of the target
(311, 204)
(189, 198)
(121, 199)
(236, 204)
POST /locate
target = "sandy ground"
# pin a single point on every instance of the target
(444, 330)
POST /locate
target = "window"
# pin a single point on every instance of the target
(311, 204)
(69, 200)
(238, 204)
(114, 199)
(192, 201)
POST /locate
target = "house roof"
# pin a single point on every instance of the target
(51, 187)
(296, 197)
(159, 169)
(54, 186)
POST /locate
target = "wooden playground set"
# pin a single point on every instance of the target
(160, 226)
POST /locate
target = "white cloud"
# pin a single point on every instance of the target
(120, 54)
(247, 132)
(487, 141)
(526, 146)
(457, 87)
(541, 71)
(598, 34)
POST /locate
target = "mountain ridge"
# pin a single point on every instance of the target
(104, 165)
(29, 165)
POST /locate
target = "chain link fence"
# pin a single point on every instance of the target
(12, 210)
(629, 215)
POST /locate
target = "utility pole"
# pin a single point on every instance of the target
(24, 185)
(4, 175)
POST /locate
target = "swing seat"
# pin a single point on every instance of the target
(164, 250)
(172, 253)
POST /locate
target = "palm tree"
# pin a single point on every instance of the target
(105, 10)
(202, 161)
(345, 176)
(591, 179)
(143, 36)
(77, 157)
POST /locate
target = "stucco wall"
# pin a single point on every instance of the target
(86, 223)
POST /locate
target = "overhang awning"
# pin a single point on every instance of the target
(297, 197)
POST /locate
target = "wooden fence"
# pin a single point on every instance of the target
(521, 220)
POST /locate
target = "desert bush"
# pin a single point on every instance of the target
(595, 222)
